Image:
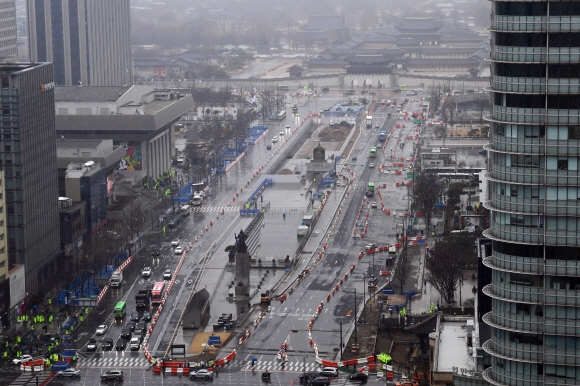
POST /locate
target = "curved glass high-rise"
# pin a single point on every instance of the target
(534, 162)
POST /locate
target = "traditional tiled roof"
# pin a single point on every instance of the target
(419, 24)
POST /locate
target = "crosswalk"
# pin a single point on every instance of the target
(113, 362)
(216, 208)
(30, 378)
(273, 365)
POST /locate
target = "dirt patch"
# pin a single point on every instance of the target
(333, 134)
(285, 171)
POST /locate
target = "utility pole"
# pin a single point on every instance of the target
(341, 343)
(355, 312)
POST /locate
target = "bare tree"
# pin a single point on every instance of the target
(426, 193)
(445, 264)
(453, 198)
(482, 104)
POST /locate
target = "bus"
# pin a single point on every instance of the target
(157, 292)
(383, 136)
(371, 187)
(282, 115)
(120, 309)
(373, 153)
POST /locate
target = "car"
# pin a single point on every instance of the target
(126, 332)
(379, 145)
(331, 122)
(73, 373)
(167, 274)
(329, 372)
(354, 157)
(371, 165)
(130, 324)
(107, 344)
(146, 316)
(269, 147)
(203, 373)
(135, 343)
(121, 344)
(306, 377)
(358, 377)
(179, 250)
(92, 345)
(371, 246)
(181, 159)
(369, 193)
(155, 252)
(22, 359)
(102, 329)
(319, 381)
(374, 204)
(112, 374)
(141, 327)
(134, 317)
(174, 242)
(281, 133)
(173, 222)
(288, 126)
(274, 139)
(146, 272)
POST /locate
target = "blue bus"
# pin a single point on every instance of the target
(383, 136)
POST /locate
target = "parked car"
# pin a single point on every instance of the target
(92, 345)
(112, 374)
(203, 373)
(73, 373)
(107, 344)
(102, 329)
(167, 274)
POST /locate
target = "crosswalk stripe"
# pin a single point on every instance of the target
(108, 362)
(217, 208)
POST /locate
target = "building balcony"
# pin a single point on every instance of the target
(517, 233)
(522, 175)
(564, 54)
(562, 208)
(515, 293)
(517, 264)
(535, 23)
(516, 145)
(519, 85)
(499, 377)
(562, 297)
(519, 54)
(562, 147)
(511, 204)
(519, 23)
(554, 267)
(518, 115)
(515, 322)
(514, 351)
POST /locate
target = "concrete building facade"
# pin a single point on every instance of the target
(4, 280)
(29, 160)
(88, 41)
(534, 195)
(8, 45)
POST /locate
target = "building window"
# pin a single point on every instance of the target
(62, 111)
(84, 111)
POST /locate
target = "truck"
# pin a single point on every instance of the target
(369, 121)
(116, 278)
(197, 199)
(142, 298)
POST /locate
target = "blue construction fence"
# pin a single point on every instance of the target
(184, 195)
(83, 286)
(252, 209)
(228, 155)
(256, 132)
